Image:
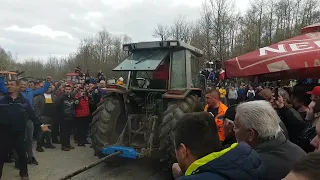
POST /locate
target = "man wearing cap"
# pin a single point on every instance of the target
(315, 97)
(217, 108)
(228, 125)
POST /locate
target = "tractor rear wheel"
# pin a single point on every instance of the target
(171, 116)
(106, 118)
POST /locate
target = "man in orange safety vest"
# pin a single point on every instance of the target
(217, 108)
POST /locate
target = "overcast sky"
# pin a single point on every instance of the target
(40, 28)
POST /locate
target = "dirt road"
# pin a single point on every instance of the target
(54, 164)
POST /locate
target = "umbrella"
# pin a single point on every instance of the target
(311, 28)
(298, 57)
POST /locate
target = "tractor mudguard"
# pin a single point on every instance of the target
(115, 89)
(126, 152)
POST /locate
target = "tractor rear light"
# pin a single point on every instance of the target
(173, 43)
(176, 92)
(126, 48)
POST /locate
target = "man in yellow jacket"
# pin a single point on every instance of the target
(223, 93)
(217, 108)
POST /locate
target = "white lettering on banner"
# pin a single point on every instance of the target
(300, 46)
(281, 49)
(293, 47)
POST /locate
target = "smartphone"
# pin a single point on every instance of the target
(211, 114)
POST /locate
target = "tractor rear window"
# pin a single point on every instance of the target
(144, 60)
(178, 70)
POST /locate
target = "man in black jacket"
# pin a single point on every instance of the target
(300, 132)
(65, 110)
(14, 113)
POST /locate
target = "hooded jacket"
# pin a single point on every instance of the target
(238, 162)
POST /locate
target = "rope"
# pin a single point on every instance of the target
(69, 176)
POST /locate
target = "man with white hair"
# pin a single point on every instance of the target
(257, 124)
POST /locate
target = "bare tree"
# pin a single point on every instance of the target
(6, 60)
(162, 32)
(221, 32)
(180, 29)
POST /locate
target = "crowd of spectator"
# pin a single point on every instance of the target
(263, 133)
(48, 112)
(243, 133)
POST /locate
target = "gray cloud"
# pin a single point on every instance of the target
(38, 28)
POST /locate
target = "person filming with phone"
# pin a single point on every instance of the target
(82, 116)
(288, 115)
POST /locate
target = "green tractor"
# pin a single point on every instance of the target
(138, 118)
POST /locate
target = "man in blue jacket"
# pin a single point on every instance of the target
(28, 94)
(200, 154)
(15, 111)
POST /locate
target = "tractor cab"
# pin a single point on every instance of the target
(162, 66)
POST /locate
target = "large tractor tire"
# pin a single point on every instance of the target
(171, 116)
(109, 114)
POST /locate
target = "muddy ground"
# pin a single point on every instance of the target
(54, 164)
